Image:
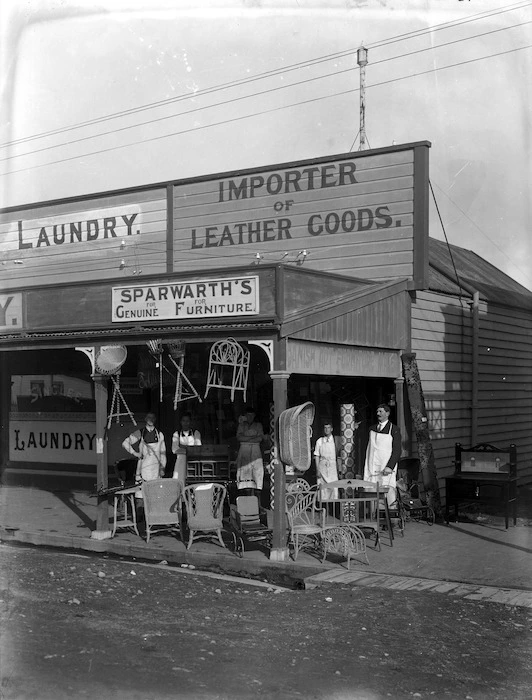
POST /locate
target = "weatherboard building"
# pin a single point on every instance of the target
(322, 270)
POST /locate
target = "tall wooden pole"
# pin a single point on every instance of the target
(102, 531)
(279, 550)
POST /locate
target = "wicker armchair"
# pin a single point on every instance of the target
(204, 504)
(347, 540)
(306, 521)
(162, 505)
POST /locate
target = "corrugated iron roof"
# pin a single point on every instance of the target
(474, 274)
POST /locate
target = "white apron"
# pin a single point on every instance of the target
(377, 456)
(327, 470)
(151, 460)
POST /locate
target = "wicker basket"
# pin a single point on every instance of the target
(295, 431)
(110, 359)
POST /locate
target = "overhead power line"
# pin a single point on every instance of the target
(285, 69)
(501, 250)
(254, 94)
(263, 112)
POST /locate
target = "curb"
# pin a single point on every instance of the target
(284, 574)
(469, 591)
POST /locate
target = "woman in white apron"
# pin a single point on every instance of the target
(249, 464)
(382, 455)
(150, 450)
(181, 439)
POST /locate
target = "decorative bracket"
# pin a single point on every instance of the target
(91, 354)
(267, 346)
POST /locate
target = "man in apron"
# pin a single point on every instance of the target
(384, 450)
(325, 454)
(181, 439)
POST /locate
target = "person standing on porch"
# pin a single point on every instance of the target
(185, 437)
(149, 447)
(383, 452)
(325, 456)
(249, 464)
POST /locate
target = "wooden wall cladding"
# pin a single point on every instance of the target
(101, 238)
(352, 215)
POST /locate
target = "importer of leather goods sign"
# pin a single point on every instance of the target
(354, 214)
(193, 299)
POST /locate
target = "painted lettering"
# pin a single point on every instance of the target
(21, 244)
(3, 311)
(128, 220)
(43, 238)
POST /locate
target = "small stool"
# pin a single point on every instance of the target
(128, 519)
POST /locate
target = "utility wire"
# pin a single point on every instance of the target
(447, 242)
(254, 94)
(270, 73)
(482, 232)
(262, 112)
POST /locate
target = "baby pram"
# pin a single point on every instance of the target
(248, 523)
(411, 491)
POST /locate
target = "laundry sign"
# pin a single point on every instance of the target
(206, 298)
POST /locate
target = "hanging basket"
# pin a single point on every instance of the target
(110, 359)
(295, 431)
(176, 349)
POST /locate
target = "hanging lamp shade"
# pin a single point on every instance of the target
(110, 359)
(295, 431)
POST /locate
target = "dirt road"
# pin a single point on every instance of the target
(79, 627)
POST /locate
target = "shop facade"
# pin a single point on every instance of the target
(314, 268)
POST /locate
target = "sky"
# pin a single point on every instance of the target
(114, 94)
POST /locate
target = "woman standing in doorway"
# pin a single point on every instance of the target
(249, 464)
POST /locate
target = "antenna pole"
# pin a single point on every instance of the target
(362, 60)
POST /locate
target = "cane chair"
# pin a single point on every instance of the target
(204, 506)
(162, 505)
(305, 521)
(347, 540)
(299, 484)
(357, 502)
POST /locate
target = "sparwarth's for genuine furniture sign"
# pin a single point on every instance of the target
(205, 298)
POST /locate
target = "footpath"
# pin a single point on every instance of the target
(479, 559)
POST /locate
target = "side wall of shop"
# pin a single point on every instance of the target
(442, 338)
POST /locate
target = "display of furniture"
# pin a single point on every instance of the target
(128, 519)
(486, 475)
(306, 521)
(346, 540)
(249, 523)
(411, 491)
(362, 503)
(298, 484)
(208, 463)
(162, 506)
(204, 504)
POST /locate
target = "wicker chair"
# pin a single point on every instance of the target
(299, 485)
(305, 521)
(347, 540)
(162, 505)
(204, 504)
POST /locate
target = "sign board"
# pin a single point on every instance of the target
(52, 441)
(11, 312)
(357, 214)
(190, 299)
(97, 238)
